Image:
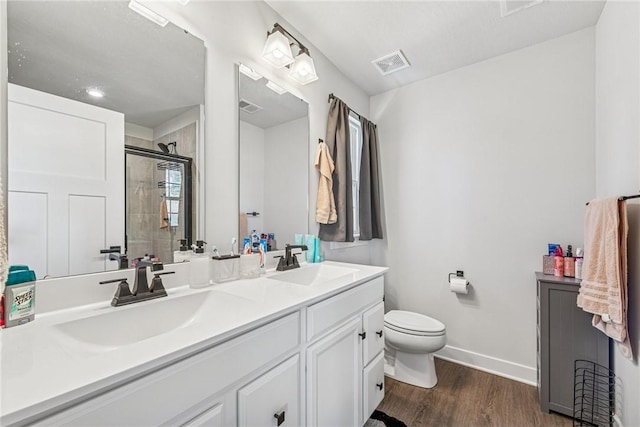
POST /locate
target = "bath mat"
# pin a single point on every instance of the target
(380, 419)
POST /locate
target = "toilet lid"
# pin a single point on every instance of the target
(413, 322)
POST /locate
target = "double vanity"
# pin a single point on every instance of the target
(301, 347)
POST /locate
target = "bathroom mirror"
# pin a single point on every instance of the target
(91, 77)
(274, 162)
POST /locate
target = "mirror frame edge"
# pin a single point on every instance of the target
(309, 144)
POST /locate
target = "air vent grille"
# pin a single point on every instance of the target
(391, 63)
(249, 107)
(509, 7)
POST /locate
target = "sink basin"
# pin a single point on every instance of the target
(134, 323)
(313, 274)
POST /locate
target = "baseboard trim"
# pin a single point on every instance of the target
(492, 365)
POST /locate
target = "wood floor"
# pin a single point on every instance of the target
(467, 397)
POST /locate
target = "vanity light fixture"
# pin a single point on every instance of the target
(148, 13)
(277, 51)
(274, 87)
(303, 70)
(96, 93)
(249, 72)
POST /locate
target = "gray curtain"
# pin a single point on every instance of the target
(370, 221)
(337, 141)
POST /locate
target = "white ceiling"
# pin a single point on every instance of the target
(435, 36)
(149, 73)
(276, 109)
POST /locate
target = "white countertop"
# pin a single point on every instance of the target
(41, 368)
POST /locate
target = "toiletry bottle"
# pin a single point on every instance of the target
(1, 311)
(20, 296)
(569, 263)
(558, 269)
(255, 242)
(183, 254)
(579, 261)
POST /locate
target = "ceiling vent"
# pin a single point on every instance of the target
(509, 7)
(249, 107)
(391, 63)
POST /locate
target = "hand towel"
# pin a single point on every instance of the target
(164, 216)
(603, 291)
(325, 205)
(243, 227)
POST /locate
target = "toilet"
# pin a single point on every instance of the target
(410, 341)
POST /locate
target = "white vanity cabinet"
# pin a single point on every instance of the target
(197, 391)
(345, 356)
(316, 363)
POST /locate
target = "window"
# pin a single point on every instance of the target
(355, 134)
(173, 185)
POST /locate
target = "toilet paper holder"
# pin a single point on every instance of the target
(458, 273)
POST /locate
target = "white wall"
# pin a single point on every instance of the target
(4, 68)
(235, 32)
(252, 184)
(285, 204)
(618, 163)
(481, 168)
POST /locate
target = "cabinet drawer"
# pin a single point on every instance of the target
(373, 326)
(172, 392)
(273, 399)
(373, 385)
(330, 313)
(212, 417)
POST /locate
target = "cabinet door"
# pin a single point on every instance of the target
(373, 326)
(273, 399)
(212, 417)
(334, 378)
(373, 387)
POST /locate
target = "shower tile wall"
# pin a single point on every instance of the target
(141, 213)
(144, 197)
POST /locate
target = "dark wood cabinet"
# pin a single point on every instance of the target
(565, 334)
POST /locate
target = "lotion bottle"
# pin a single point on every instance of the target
(569, 263)
(558, 269)
(579, 261)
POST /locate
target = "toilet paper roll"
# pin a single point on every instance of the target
(458, 285)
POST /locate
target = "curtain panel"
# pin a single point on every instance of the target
(338, 141)
(370, 221)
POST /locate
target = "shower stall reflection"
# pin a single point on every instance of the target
(158, 202)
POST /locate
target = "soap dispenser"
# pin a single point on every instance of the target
(183, 254)
(199, 266)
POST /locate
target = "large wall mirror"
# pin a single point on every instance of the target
(88, 81)
(274, 161)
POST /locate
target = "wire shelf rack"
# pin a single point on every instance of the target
(593, 394)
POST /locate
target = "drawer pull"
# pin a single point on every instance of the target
(363, 335)
(379, 333)
(379, 385)
(279, 417)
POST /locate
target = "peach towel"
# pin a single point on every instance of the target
(326, 204)
(243, 228)
(164, 216)
(603, 291)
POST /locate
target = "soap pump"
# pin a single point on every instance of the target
(183, 254)
(199, 268)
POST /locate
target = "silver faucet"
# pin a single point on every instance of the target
(289, 261)
(141, 290)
